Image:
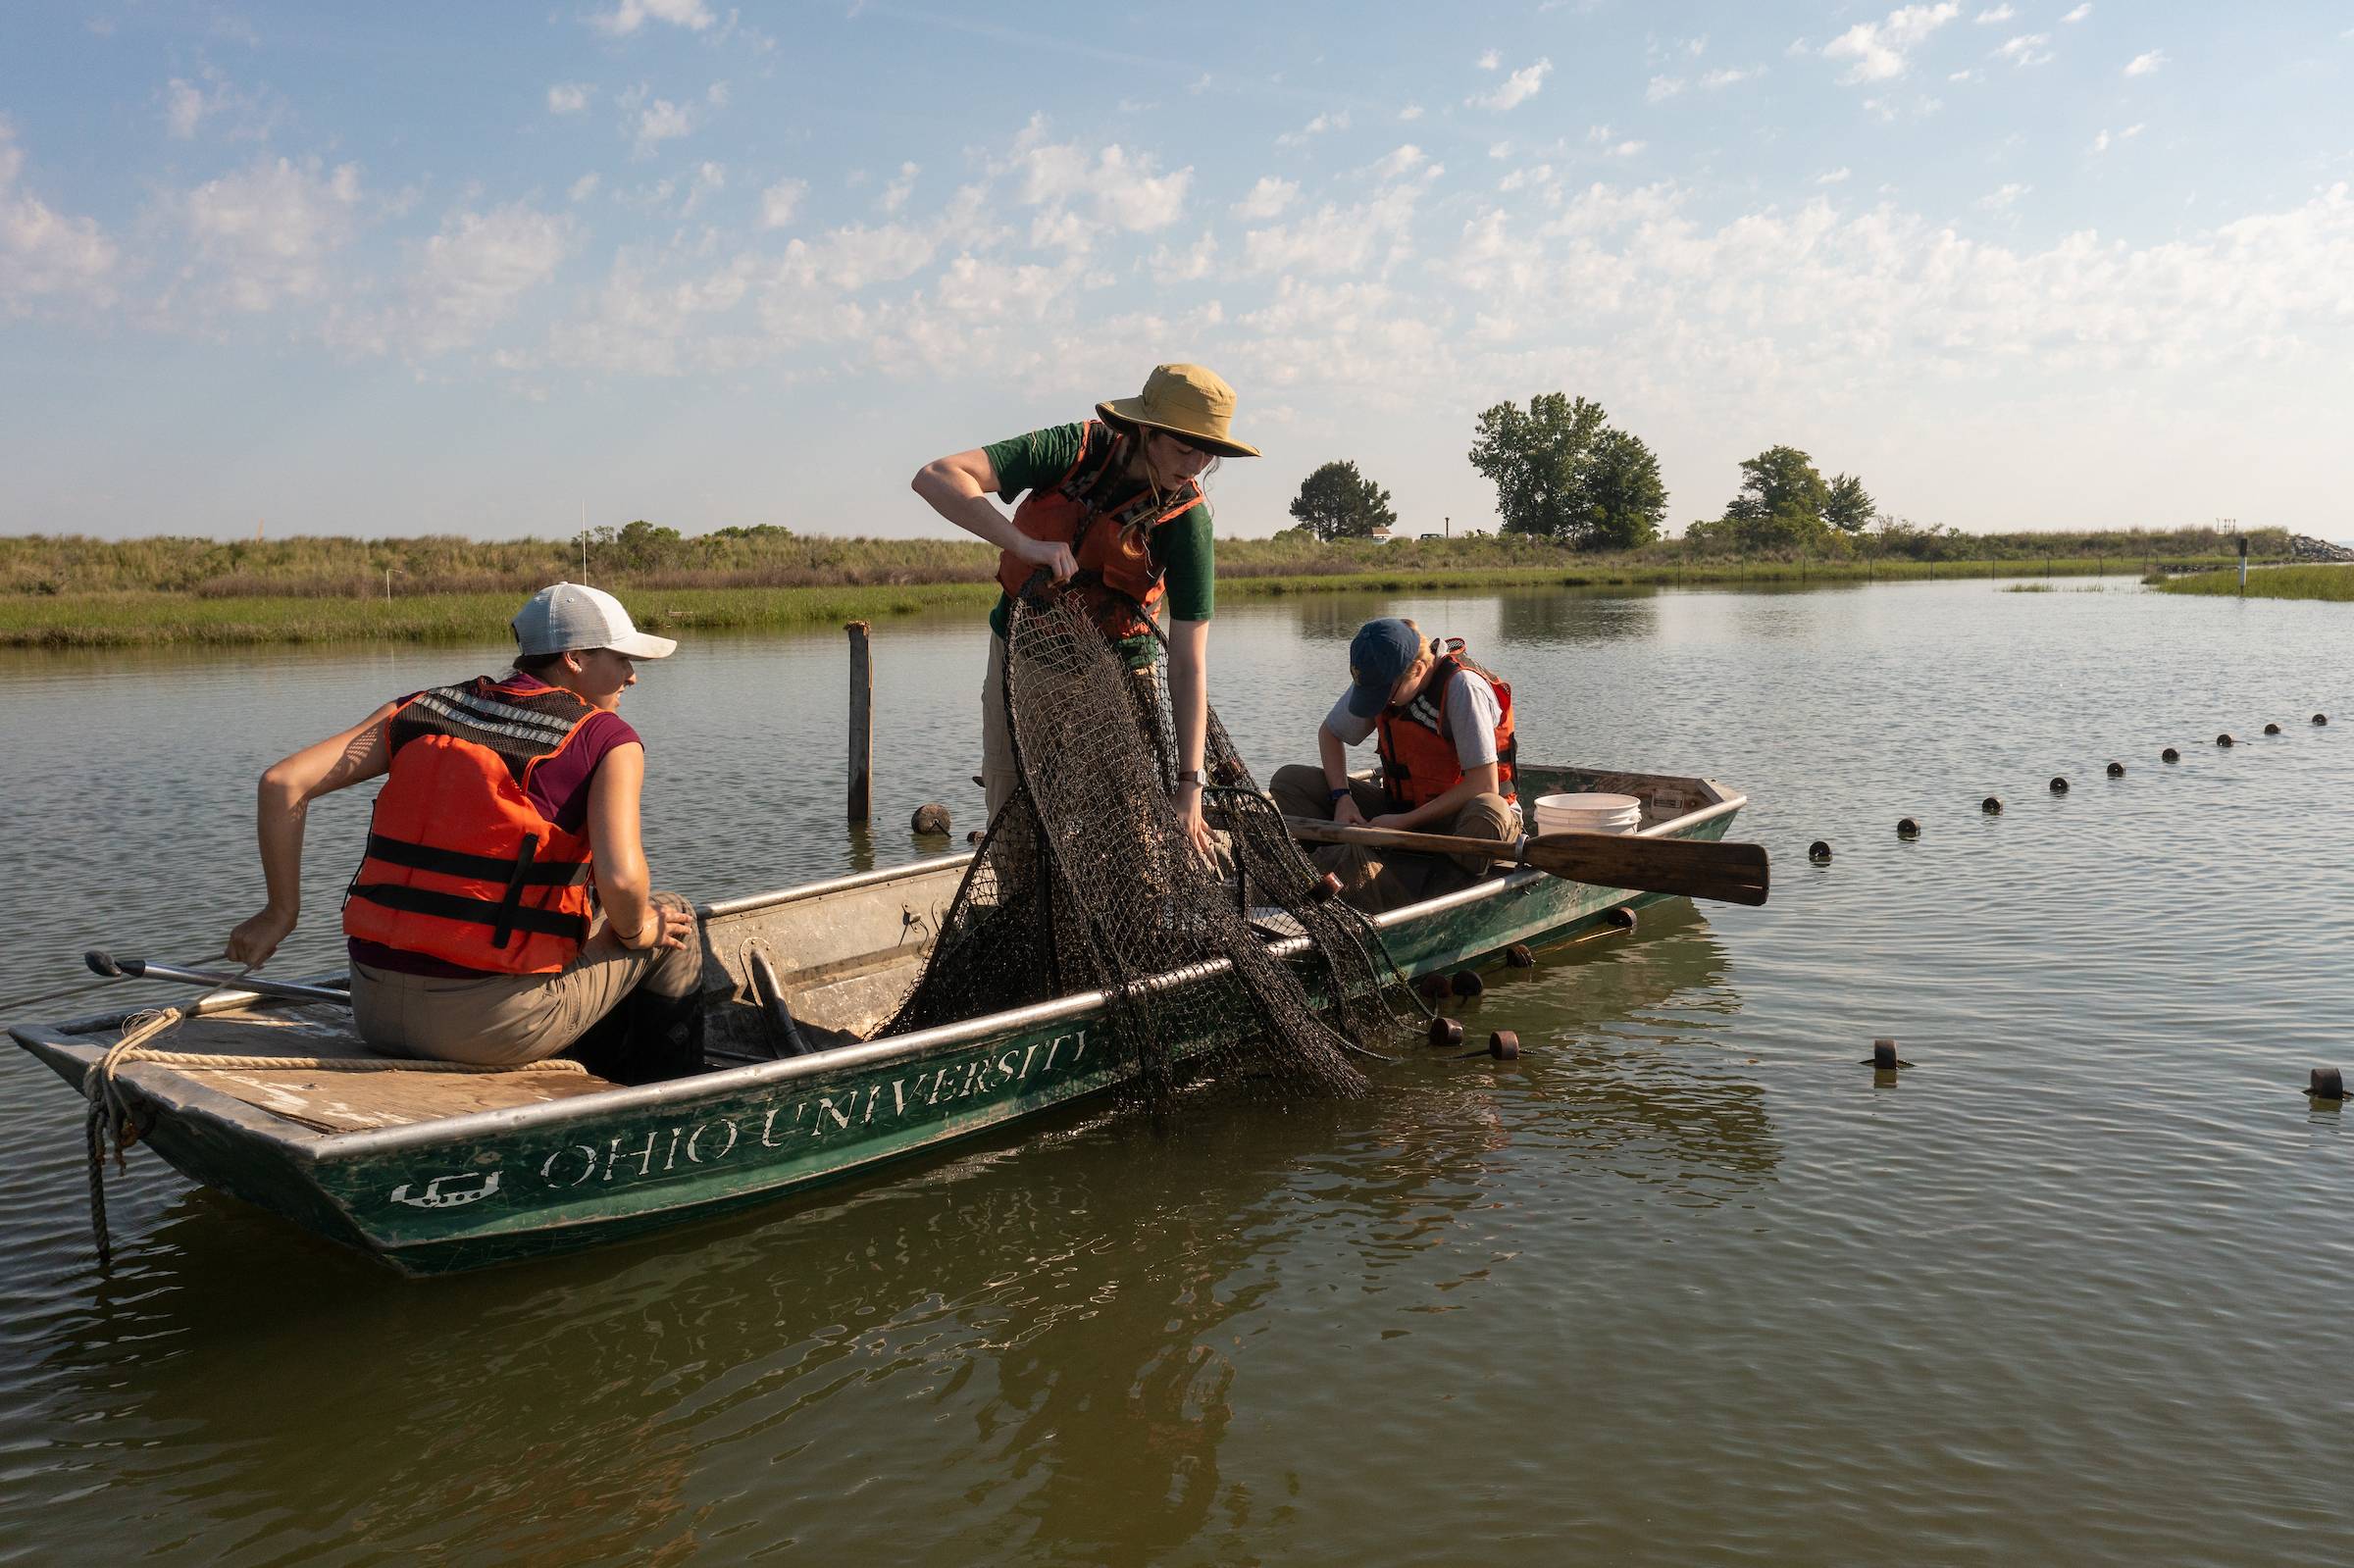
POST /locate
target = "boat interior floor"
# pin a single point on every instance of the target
(333, 1101)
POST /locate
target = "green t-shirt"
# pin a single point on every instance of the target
(1183, 547)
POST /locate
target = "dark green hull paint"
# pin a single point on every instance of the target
(503, 1187)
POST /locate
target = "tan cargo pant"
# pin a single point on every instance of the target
(1378, 880)
(502, 1020)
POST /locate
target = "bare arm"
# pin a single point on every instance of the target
(624, 886)
(281, 805)
(959, 486)
(1333, 753)
(1189, 701)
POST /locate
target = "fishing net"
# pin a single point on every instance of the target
(1085, 881)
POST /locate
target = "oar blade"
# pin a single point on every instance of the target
(1691, 867)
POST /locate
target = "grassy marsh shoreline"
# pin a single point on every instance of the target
(2269, 582)
(155, 618)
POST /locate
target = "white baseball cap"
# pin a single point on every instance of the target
(570, 616)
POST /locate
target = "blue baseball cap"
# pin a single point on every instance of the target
(1380, 652)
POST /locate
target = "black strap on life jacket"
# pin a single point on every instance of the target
(481, 868)
(503, 918)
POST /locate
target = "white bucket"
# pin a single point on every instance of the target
(1588, 814)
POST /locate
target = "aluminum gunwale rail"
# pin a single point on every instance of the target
(923, 1043)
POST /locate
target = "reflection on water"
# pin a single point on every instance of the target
(2066, 1284)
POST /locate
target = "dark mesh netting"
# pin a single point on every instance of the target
(1087, 882)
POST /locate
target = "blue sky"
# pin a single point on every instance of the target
(490, 268)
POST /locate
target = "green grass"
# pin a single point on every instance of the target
(131, 619)
(2269, 582)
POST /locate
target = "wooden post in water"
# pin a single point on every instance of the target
(862, 727)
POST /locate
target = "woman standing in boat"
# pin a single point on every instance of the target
(1115, 510)
(507, 826)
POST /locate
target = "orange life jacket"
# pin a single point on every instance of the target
(461, 865)
(1418, 760)
(1119, 579)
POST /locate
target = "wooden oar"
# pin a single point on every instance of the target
(1696, 868)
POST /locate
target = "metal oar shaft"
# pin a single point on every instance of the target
(102, 962)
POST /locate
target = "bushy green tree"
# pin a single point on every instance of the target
(1847, 507)
(1624, 497)
(1781, 502)
(1561, 472)
(1336, 502)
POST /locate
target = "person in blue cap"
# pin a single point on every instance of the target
(1443, 729)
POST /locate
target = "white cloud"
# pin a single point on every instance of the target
(264, 233)
(2003, 199)
(1878, 48)
(1400, 163)
(1987, 19)
(1515, 89)
(779, 201)
(1336, 239)
(1730, 76)
(1120, 191)
(45, 255)
(2027, 49)
(1973, 74)
(464, 282)
(1662, 89)
(1412, 111)
(1492, 60)
(1269, 199)
(631, 14)
(184, 108)
(1187, 265)
(212, 100)
(659, 122)
(2080, 13)
(1626, 149)
(2102, 143)
(585, 188)
(1314, 127)
(567, 99)
(1835, 176)
(895, 195)
(709, 179)
(2144, 65)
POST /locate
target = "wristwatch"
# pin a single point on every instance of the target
(1338, 795)
(1192, 775)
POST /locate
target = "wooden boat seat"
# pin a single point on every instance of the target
(332, 1101)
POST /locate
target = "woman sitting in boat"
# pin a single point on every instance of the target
(504, 907)
(1443, 729)
(1114, 509)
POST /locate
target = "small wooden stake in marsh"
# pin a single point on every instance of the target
(862, 725)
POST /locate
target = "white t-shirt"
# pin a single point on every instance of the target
(1472, 714)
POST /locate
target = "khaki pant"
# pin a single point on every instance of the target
(503, 1020)
(1378, 880)
(996, 735)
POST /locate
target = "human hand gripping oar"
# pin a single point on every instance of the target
(1694, 868)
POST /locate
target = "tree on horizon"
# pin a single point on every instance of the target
(1336, 502)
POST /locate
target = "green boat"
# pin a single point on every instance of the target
(435, 1172)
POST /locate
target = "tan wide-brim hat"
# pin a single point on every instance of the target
(1190, 402)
